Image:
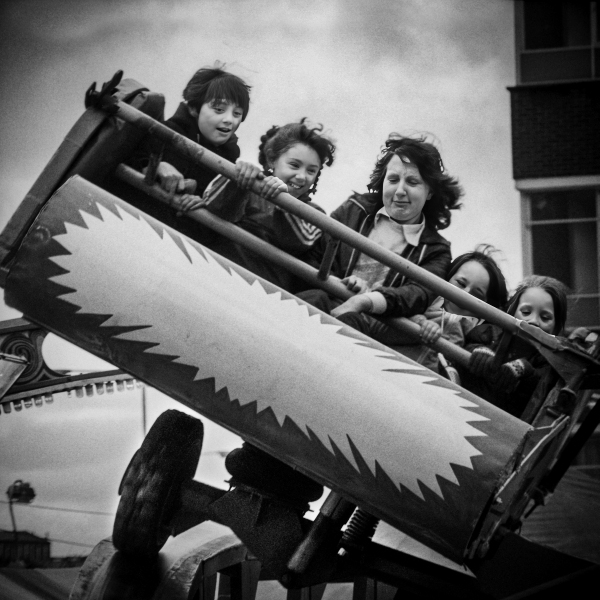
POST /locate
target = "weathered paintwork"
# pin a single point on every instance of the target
(397, 439)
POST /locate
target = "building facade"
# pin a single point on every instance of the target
(27, 547)
(555, 113)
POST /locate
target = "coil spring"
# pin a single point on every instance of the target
(360, 529)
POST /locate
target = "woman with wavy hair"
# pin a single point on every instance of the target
(410, 198)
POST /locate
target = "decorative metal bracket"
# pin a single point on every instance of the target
(21, 341)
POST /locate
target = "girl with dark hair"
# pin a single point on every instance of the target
(496, 294)
(291, 158)
(410, 198)
(540, 301)
(474, 272)
(477, 274)
(444, 189)
(215, 103)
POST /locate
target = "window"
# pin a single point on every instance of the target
(557, 24)
(558, 41)
(561, 239)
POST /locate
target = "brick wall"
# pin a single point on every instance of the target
(556, 130)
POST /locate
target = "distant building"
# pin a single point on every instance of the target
(29, 548)
(555, 109)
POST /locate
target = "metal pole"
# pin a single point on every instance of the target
(332, 284)
(18, 492)
(144, 409)
(14, 524)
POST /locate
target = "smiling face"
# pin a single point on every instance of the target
(404, 191)
(536, 307)
(298, 168)
(473, 278)
(218, 120)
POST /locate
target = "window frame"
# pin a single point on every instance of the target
(528, 187)
(593, 46)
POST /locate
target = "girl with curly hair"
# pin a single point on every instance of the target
(291, 157)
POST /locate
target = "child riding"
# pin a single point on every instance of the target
(215, 103)
(291, 158)
(540, 301)
(477, 274)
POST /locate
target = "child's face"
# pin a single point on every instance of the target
(473, 278)
(218, 120)
(404, 191)
(537, 308)
(298, 168)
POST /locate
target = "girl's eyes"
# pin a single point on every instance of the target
(220, 108)
(410, 181)
(475, 293)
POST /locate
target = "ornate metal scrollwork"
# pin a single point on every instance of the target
(21, 338)
(38, 382)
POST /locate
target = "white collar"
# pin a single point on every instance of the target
(412, 232)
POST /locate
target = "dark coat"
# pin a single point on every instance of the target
(266, 221)
(260, 217)
(184, 123)
(404, 297)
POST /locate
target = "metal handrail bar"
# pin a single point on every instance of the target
(332, 284)
(339, 231)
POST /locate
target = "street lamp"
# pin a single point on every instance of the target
(22, 493)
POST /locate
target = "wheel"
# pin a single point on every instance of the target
(150, 488)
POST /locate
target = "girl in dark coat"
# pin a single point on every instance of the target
(540, 301)
(291, 158)
(215, 103)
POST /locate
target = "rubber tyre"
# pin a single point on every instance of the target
(150, 488)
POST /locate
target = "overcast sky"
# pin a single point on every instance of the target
(363, 68)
